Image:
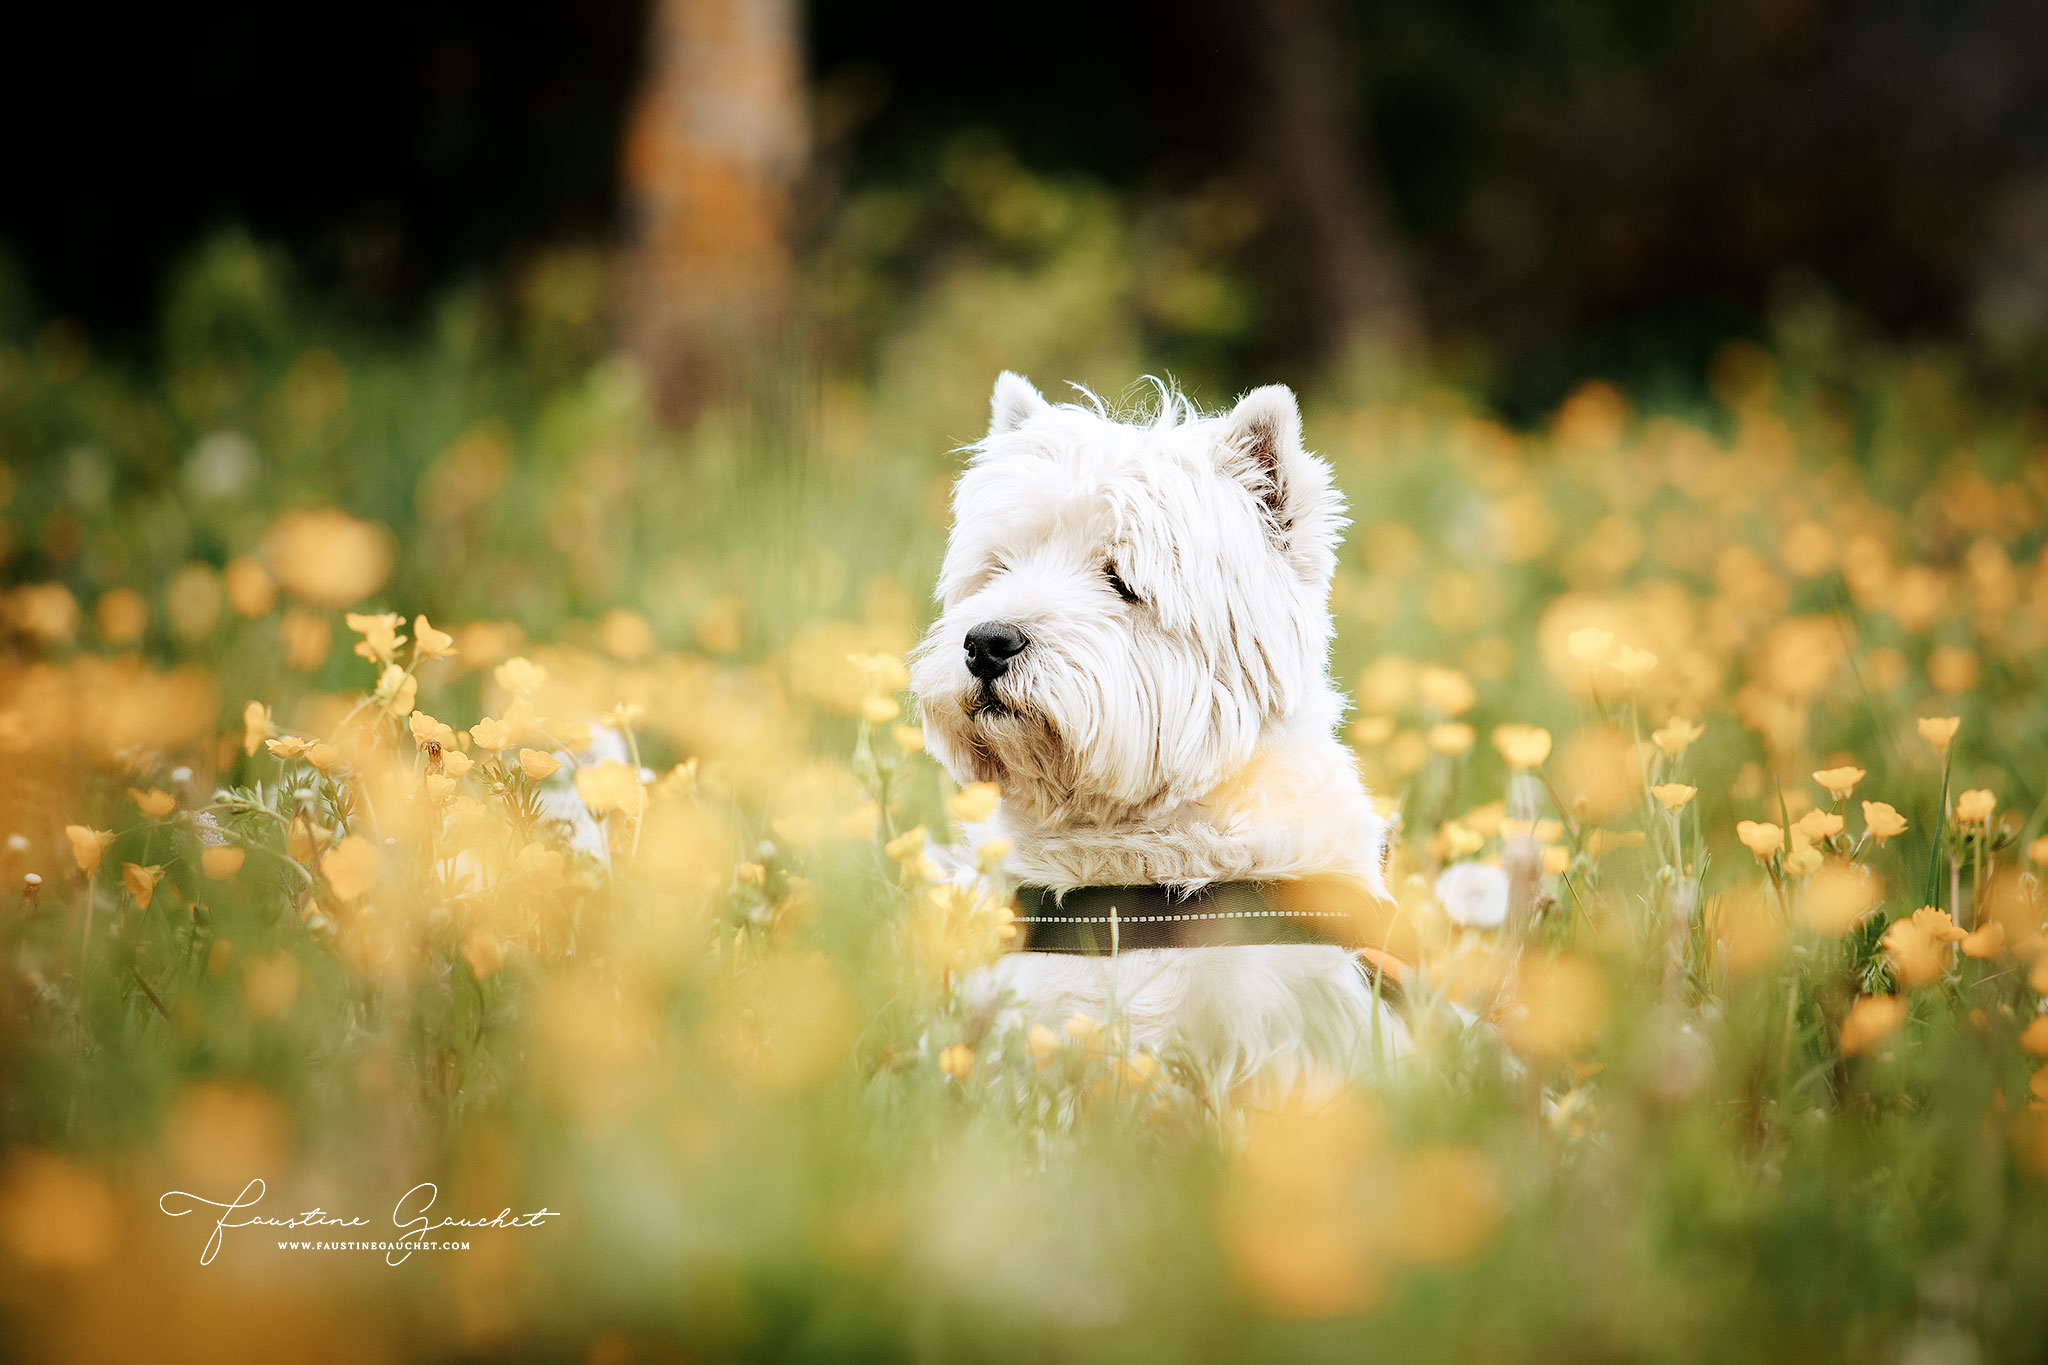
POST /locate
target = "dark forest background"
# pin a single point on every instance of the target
(1534, 189)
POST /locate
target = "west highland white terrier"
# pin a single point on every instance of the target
(1134, 646)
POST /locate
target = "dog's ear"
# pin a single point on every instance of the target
(1262, 450)
(1013, 403)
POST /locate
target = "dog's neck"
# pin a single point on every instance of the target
(1296, 810)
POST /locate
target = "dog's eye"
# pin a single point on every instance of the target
(1116, 581)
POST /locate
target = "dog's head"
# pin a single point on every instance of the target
(1127, 605)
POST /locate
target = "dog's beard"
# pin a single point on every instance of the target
(986, 704)
(1085, 740)
(1003, 739)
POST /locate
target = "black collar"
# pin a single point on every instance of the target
(1103, 919)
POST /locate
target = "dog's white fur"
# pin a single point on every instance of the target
(1185, 737)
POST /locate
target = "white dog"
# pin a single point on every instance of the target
(1134, 646)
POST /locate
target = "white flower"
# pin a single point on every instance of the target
(1474, 895)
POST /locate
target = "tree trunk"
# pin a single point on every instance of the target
(1351, 285)
(716, 146)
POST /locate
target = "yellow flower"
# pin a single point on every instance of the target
(610, 786)
(881, 672)
(1082, 1027)
(1591, 645)
(1917, 945)
(122, 616)
(1560, 1006)
(680, 780)
(1871, 1020)
(909, 738)
(1882, 821)
(1839, 781)
(908, 844)
(1633, 664)
(1939, 730)
(2034, 1037)
(1952, 669)
(489, 735)
(1370, 732)
(974, 802)
(1452, 738)
(255, 726)
(154, 803)
(1938, 925)
(626, 635)
(484, 951)
(323, 756)
(250, 589)
(47, 611)
(303, 840)
(426, 730)
(1975, 807)
(537, 766)
(455, 763)
(351, 867)
(1448, 690)
(1523, 746)
(1673, 795)
(381, 639)
(141, 881)
(1557, 860)
(879, 710)
(2037, 852)
(520, 675)
(328, 557)
(1803, 861)
(398, 690)
(429, 643)
(1454, 840)
(750, 874)
(957, 1060)
(88, 845)
(1760, 838)
(1986, 942)
(289, 747)
(1676, 736)
(1819, 825)
(1839, 896)
(520, 723)
(1407, 752)
(221, 862)
(1043, 1045)
(440, 787)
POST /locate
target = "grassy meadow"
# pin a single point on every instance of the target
(304, 624)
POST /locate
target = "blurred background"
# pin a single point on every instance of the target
(389, 394)
(1523, 193)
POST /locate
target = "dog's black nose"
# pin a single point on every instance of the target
(990, 647)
